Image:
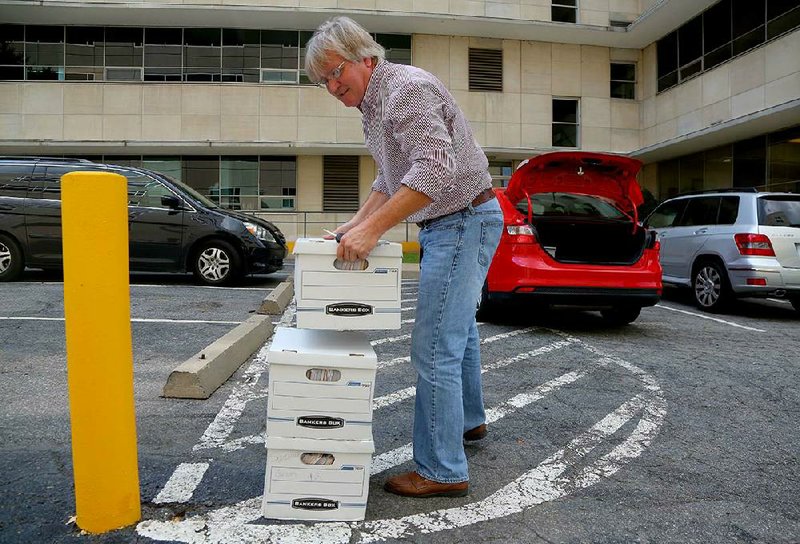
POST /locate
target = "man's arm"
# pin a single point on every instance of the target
(357, 242)
(375, 200)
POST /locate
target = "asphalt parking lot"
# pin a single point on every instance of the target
(682, 427)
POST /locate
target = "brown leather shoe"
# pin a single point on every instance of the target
(477, 433)
(412, 484)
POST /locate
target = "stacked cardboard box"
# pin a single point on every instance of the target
(321, 384)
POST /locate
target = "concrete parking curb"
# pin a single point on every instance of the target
(200, 376)
(278, 299)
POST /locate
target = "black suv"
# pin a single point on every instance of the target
(173, 228)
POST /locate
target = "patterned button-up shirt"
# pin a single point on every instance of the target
(420, 138)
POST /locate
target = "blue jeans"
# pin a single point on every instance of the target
(445, 349)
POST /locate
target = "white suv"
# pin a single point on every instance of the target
(730, 243)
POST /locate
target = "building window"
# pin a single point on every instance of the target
(623, 80)
(565, 122)
(96, 53)
(485, 70)
(278, 183)
(202, 48)
(340, 184)
(501, 172)
(564, 11)
(397, 46)
(725, 30)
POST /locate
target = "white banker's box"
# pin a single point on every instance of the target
(329, 296)
(312, 479)
(320, 384)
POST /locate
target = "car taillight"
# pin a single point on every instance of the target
(754, 244)
(521, 234)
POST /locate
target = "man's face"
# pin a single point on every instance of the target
(353, 78)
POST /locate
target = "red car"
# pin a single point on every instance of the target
(572, 237)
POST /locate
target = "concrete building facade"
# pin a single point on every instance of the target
(213, 92)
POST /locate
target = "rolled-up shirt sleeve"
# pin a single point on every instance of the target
(420, 126)
(379, 184)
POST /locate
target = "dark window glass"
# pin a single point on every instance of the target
(748, 41)
(717, 56)
(667, 81)
(623, 80)
(728, 210)
(239, 183)
(13, 180)
(565, 122)
(124, 46)
(717, 26)
(783, 23)
(12, 45)
(278, 182)
(690, 41)
(44, 45)
(145, 192)
(279, 49)
(750, 162)
(202, 175)
(700, 211)
(241, 50)
(85, 46)
(50, 73)
(8, 73)
(564, 11)
(304, 37)
(201, 54)
(691, 69)
(667, 54)
(398, 47)
(747, 15)
(784, 160)
(667, 214)
(779, 7)
(163, 54)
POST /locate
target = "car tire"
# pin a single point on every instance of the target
(486, 309)
(795, 303)
(621, 315)
(710, 286)
(216, 262)
(12, 262)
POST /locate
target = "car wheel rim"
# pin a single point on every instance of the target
(214, 264)
(707, 286)
(5, 258)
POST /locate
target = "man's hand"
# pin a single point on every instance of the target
(357, 242)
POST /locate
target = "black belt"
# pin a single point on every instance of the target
(484, 196)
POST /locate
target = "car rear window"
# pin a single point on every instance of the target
(570, 205)
(779, 211)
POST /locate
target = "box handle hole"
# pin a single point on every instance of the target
(323, 374)
(358, 264)
(315, 458)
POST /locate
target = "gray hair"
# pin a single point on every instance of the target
(346, 38)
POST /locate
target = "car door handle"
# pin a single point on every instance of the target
(701, 231)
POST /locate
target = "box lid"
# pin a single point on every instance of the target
(320, 246)
(321, 347)
(321, 445)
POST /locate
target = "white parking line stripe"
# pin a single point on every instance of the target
(534, 487)
(133, 320)
(400, 455)
(731, 323)
(182, 483)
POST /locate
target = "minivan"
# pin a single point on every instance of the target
(172, 227)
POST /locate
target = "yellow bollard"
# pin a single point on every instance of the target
(94, 218)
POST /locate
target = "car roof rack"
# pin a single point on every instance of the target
(722, 190)
(38, 158)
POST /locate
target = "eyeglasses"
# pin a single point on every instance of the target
(336, 73)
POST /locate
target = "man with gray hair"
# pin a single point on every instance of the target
(433, 172)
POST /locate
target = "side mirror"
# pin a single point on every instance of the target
(170, 201)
